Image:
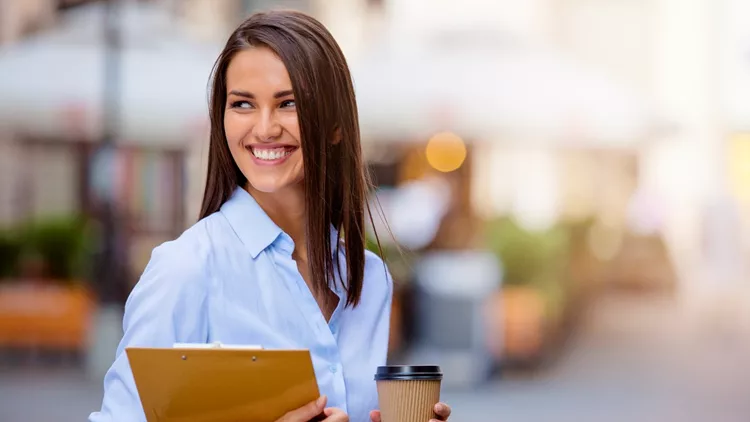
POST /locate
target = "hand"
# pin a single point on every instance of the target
(335, 415)
(308, 412)
(442, 411)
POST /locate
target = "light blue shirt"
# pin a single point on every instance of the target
(231, 278)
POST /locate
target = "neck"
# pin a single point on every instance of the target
(286, 208)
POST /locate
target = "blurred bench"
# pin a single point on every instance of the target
(39, 316)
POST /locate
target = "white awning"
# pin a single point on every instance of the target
(53, 85)
(493, 93)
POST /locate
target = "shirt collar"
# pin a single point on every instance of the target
(248, 220)
(254, 227)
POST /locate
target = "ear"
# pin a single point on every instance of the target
(336, 136)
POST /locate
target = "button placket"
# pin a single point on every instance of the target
(325, 345)
(308, 305)
(333, 323)
(340, 385)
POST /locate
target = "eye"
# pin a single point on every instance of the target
(288, 104)
(241, 104)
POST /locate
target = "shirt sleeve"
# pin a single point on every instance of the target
(167, 305)
(384, 292)
(385, 319)
(382, 330)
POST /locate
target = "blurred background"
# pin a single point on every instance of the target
(568, 182)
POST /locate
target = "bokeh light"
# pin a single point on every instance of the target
(445, 152)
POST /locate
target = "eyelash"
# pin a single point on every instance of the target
(238, 104)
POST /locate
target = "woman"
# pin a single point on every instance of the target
(278, 257)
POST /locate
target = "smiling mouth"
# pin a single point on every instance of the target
(271, 154)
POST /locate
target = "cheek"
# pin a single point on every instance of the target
(235, 130)
(300, 170)
(291, 126)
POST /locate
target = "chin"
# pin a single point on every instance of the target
(264, 188)
(270, 186)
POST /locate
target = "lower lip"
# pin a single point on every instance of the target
(275, 162)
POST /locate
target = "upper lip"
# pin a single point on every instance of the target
(270, 146)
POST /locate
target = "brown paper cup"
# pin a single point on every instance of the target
(408, 393)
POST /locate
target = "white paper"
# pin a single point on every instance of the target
(217, 345)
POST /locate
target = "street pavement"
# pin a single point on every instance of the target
(633, 359)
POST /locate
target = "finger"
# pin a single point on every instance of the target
(335, 415)
(443, 411)
(308, 411)
(375, 416)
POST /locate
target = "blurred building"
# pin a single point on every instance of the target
(566, 108)
(674, 60)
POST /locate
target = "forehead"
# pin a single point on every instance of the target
(257, 69)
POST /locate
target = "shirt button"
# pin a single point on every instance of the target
(333, 368)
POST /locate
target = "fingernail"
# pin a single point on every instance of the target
(439, 407)
(321, 401)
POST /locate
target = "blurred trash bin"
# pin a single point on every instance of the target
(450, 329)
(105, 335)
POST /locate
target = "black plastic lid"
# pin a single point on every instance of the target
(406, 372)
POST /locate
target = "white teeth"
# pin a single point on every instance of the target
(270, 154)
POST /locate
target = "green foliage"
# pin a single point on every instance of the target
(58, 245)
(371, 244)
(528, 257)
(399, 260)
(11, 247)
(62, 243)
(537, 259)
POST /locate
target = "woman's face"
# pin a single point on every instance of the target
(260, 121)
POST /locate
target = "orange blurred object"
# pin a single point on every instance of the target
(516, 323)
(42, 316)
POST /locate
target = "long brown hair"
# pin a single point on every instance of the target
(335, 179)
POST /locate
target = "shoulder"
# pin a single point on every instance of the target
(180, 267)
(377, 279)
(190, 253)
(374, 264)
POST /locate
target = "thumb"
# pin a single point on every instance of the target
(306, 412)
(375, 416)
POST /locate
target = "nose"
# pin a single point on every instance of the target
(267, 127)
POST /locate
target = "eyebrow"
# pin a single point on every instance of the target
(246, 94)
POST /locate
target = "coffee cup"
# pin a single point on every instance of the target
(408, 393)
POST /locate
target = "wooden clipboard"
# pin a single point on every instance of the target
(221, 385)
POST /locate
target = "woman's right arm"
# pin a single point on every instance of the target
(167, 305)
